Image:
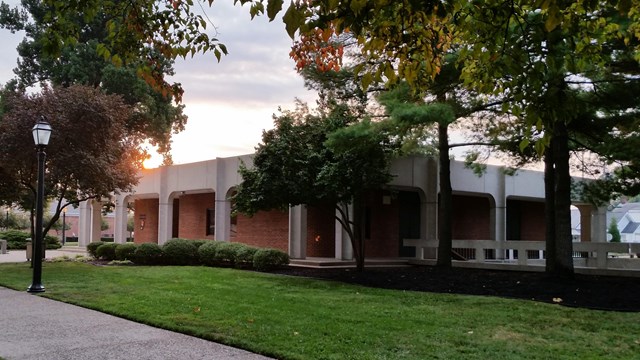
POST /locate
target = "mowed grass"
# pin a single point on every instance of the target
(297, 318)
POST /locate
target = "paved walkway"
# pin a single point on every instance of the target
(34, 327)
(14, 256)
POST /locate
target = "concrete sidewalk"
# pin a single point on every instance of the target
(14, 256)
(33, 327)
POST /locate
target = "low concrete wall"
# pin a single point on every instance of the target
(601, 258)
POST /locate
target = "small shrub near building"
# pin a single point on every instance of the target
(226, 253)
(92, 248)
(180, 252)
(244, 257)
(125, 252)
(107, 251)
(269, 259)
(207, 253)
(148, 254)
(17, 240)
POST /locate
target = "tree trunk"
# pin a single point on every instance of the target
(549, 208)
(564, 242)
(445, 209)
(358, 233)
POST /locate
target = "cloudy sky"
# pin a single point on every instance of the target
(228, 103)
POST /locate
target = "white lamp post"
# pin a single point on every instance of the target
(41, 134)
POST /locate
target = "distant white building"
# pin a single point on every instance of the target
(627, 216)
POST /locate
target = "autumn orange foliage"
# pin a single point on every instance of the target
(319, 48)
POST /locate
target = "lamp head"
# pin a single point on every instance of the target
(41, 132)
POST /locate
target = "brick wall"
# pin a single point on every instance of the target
(192, 222)
(532, 224)
(321, 225)
(264, 229)
(384, 241)
(471, 218)
(147, 209)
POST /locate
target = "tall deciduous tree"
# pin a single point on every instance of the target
(156, 116)
(87, 158)
(327, 158)
(547, 59)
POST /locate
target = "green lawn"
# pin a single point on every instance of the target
(296, 318)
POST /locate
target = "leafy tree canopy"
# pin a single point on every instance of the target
(88, 157)
(83, 62)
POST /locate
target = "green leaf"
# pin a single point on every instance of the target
(367, 79)
(524, 144)
(293, 19)
(273, 8)
(357, 5)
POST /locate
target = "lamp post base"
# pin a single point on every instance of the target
(35, 288)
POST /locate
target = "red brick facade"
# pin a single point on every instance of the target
(384, 233)
(146, 221)
(192, 218)
(264, 229)
(532, 225)
(471, 218)
(321, 224)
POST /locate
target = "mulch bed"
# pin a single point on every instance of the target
(584, 291)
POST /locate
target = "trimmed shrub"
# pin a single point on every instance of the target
(180, 252)
(16, 239)
(107, 251)
(269, 259)
(52, 242)
(148, 254)
(200, 242)
(226, 252)
(92, 248)
(244, 256)
(207, 253)
(125, 251)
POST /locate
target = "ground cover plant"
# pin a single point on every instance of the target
(293, 317)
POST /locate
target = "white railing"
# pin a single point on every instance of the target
(614, 256)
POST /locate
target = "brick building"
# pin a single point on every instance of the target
(192, 201)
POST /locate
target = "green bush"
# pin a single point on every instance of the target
(16, 239)
(107, 251)
(180, 252)
(200, 242)
(52, 242)
(269, 259)
(226, 252)
(92, 248)
(244, 256)
(125, 251)
(148, 254)
(207, 253)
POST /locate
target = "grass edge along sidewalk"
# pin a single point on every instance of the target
(298, 318)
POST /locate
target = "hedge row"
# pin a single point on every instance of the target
(191, 252)
(17, 240)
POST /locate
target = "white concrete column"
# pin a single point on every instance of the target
(84, 224)
(222, 205)
(599, 224)
(96, 220)
(120, 220)
(298, 232)
(498, 216)
(165, 208)
(223, 219)
(343, 246)
(165, 218)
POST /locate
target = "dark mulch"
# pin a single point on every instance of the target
(584, 291)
